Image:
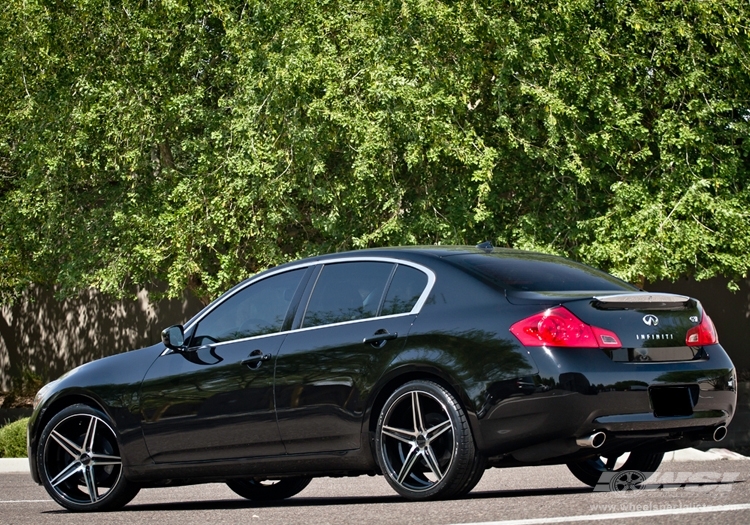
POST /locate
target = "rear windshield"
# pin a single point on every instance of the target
(538, 273)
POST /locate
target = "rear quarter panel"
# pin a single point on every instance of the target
(462, 337)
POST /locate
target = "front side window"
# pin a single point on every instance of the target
(347, 291)
(258, 309)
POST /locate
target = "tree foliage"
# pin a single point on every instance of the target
(194, 143)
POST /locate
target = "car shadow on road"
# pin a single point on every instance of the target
(301, 501)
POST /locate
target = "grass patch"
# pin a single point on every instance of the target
(13, 439)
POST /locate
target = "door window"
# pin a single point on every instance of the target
(258, 309)
(404, 291)
(347, 291)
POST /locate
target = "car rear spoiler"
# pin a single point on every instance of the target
(642, 301)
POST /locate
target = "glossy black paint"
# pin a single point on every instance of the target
(305, 400)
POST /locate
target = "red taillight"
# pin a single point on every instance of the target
(703, 334)
(559, 327)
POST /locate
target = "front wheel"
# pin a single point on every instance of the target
(590, 471)
(80, 463)
(268, 490)
(424, 444)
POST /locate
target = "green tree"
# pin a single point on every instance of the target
(194, 143)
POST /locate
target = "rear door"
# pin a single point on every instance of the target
(357, 318)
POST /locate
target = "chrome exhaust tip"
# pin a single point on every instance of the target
(720, 433)
(595, 440)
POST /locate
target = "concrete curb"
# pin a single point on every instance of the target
(16, 465)
(8, 465)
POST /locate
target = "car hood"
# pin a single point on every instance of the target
(105, 374)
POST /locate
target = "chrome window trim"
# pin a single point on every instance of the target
(304, 329)
(415, 309)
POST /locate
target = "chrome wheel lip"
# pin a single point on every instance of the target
(419, 440)
(84, 459)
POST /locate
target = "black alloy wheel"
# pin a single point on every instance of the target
(424, 445)
(268, 489)
(590, 471)
(79, 461)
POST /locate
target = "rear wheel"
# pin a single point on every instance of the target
(424, 444)
(80, 464)
(590, 471)
(268, 489)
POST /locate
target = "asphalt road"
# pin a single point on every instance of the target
(712, 492)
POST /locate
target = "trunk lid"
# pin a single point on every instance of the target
(650, 326)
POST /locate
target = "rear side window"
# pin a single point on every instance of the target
(404, 291)
(538, 273)
(347, 291)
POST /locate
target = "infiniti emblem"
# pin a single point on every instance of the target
(651, 320)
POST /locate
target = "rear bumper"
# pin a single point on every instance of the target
(579, 391)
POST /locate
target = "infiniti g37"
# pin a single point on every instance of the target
(424, 365)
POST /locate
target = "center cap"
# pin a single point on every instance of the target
(85, 459)
(421, 441)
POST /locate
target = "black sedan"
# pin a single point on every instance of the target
(426, 365)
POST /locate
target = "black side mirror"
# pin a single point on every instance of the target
(174, 337)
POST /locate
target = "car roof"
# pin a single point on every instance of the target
(408, 252)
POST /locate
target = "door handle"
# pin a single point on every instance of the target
(379, 338)
(255, 359)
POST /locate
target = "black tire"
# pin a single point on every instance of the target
(80, 463)
(480, 465)
(424, 445)
(590, 471)
(268, 490)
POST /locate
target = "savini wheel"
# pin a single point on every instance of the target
(424, 444)
(80, 463)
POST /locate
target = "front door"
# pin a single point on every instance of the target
(214, 400)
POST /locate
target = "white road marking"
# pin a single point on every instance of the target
(28, 501)
(620, 515)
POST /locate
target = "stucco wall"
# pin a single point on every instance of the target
(49, 337)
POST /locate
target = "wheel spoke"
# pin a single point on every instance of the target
(429, 456)
(72, 469)
(435, 431)
(401, 435)
(416, 412)
(88, 442)
(103, 459)
(411, 458)
(88, 475)
(66, 444)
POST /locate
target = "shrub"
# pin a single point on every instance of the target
(13, 439)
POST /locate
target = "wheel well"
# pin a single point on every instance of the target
(61, 404)
(393, 384)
